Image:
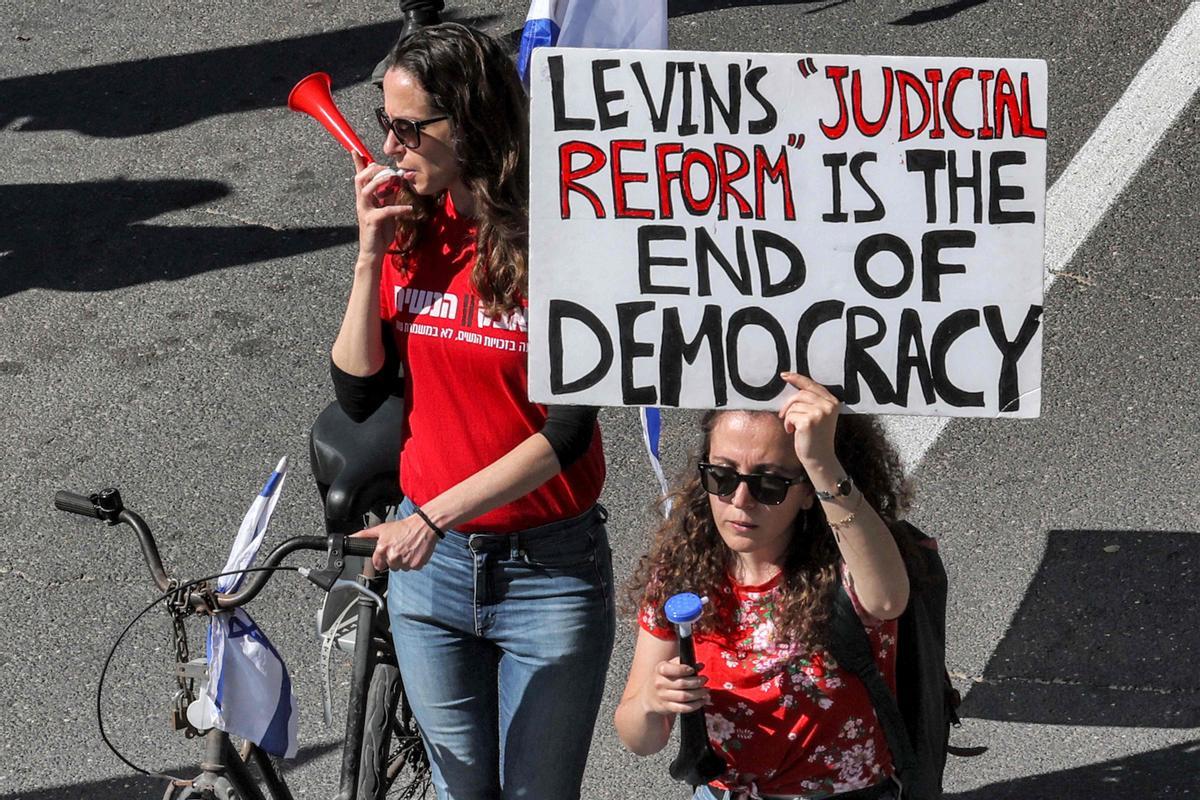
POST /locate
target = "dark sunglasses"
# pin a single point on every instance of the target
(767, 489)
(407, 131)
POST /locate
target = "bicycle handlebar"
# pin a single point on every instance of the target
(107, 505)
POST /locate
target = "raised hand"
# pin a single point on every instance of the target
(810, 415)
(376, 217)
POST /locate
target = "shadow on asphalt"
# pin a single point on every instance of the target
(96, 238)
(1105, 635)
(135, 98)
(938, 13)
(683, 8)
(146, 787)
(1164, 774)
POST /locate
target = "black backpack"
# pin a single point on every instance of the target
(917, 722)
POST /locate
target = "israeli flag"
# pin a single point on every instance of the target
(254, 528)
(617, 24)
(651, 434)
(248, 692)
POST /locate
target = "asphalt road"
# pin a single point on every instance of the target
(174, 254)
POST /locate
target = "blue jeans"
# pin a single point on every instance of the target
(503, 642)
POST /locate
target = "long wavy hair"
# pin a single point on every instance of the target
(688, 554)
(471, 79)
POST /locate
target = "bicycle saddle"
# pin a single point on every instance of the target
(356, 465)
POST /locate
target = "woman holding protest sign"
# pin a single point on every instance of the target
(500, 593)
(778, 510)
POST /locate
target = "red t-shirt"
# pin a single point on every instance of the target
(466, 399)
(787, 719)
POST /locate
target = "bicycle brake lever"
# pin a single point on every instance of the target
(325, 578)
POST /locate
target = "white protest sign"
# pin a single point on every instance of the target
(700, 222)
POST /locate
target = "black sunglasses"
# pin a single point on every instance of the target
(407, 131)
(767, 489)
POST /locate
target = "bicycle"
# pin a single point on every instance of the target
(355, 467)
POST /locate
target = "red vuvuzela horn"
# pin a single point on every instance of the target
(311, 95)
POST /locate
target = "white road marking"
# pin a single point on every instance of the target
(1096, 177)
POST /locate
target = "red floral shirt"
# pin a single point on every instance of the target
(787, 719)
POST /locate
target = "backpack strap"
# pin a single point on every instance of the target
(852, 650)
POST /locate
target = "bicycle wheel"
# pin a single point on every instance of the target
(392, 745)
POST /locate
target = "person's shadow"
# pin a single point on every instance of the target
(682, 8)
(1167, 774)
(937, 13)
(1105, 636)
(135, 98)
(96, 238)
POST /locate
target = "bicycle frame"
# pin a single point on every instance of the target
(225, 773)
(355, 467)
(223, 763)
(368, 649)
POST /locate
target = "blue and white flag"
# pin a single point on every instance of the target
(651, 434)
(618, 24)
(248, 692)
(253, 529)
(542, 26)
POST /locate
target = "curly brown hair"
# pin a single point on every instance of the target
(688, 554)
(471, 79)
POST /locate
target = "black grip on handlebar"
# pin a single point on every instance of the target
(359, 547)
(76, 504)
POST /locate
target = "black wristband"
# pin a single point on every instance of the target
(441, 534)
